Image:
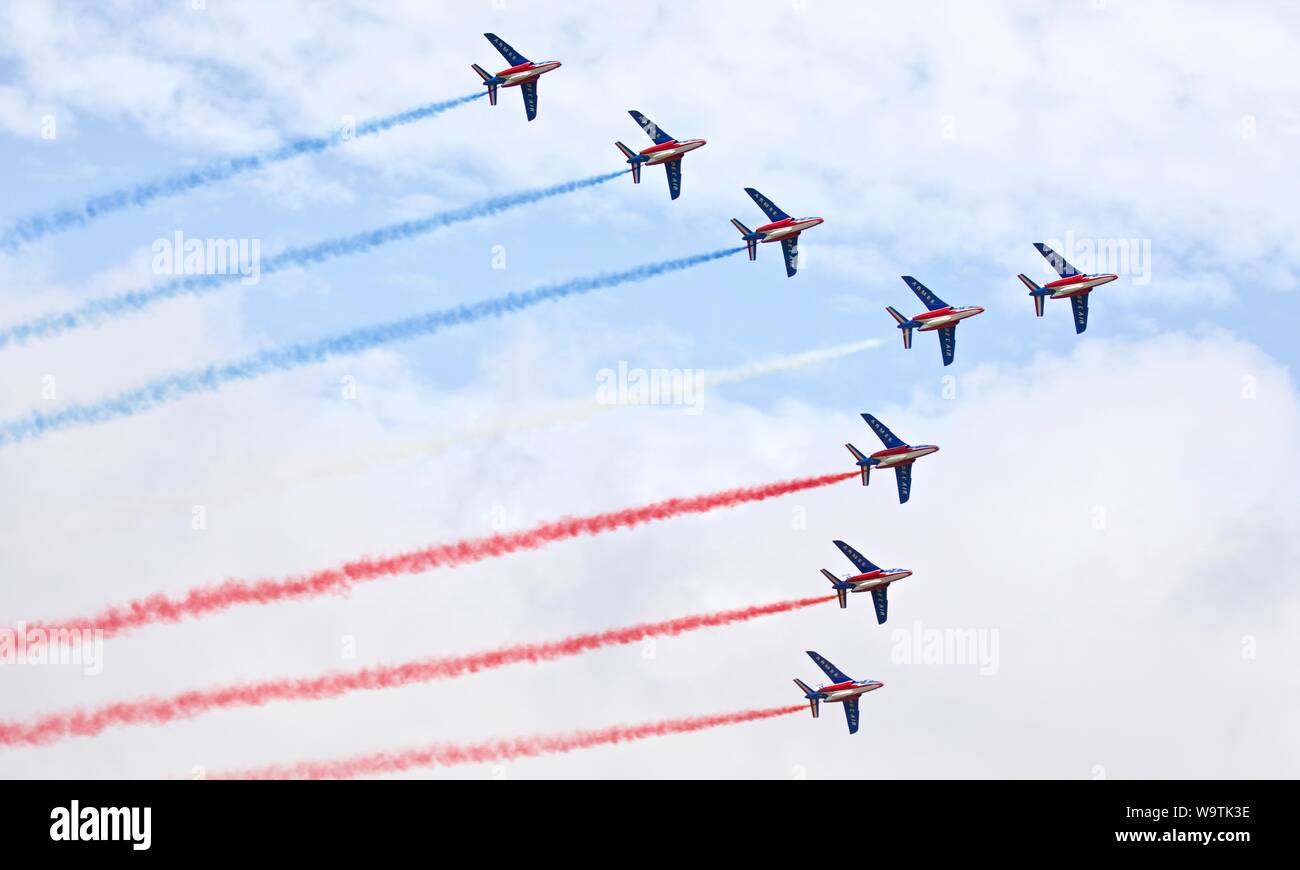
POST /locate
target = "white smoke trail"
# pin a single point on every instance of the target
(284, 476)
(565, 411)
(759, 369)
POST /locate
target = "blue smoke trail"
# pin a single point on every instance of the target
(37, 226)
(96, 311)
(212, 378)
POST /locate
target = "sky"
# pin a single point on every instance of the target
(1112, 512)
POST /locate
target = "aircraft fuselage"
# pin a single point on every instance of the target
(876, 579)
(1076, 284)
(666, 152)
(942, 318)
(851, 689)
(525, 72)
(785, 228)
(902, 455)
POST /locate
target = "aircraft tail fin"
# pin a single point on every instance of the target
(839, 590)
(813, 699)
(866, 469)
(487, 77)
(631, 158)
(1038, 294)
(902, 324)
(750, 244)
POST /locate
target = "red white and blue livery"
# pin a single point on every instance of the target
(522, 73)
(666, 150)
(1073, 285)
(843, 690)
(897, 455)
(939, 316)
(782, 228)
(870, 578)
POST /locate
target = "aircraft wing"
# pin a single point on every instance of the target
(1057, 262)
(882, 432)
(927, 297)
(904, 474)
(948, 343)
(653, 130)
(513, 57)
(880, 597)
(791, 248)
(529, 90)
(769, 208)
(1080, 304)
(829, 669)
(859, 561)
(674, 170)
(851, 714)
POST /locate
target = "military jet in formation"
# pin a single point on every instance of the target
(898, 455)
(939, 315)
(843, 690)
(522, 73)
(1073, 285)
(666, 151)
(781, 228)
(870, 578)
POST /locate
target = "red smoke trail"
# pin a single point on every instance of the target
(447, 754)
(203, 600)
(156, 711)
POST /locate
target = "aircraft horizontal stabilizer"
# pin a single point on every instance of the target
(839, 586)
(862, 460)
(814, 698)
(751, 238)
